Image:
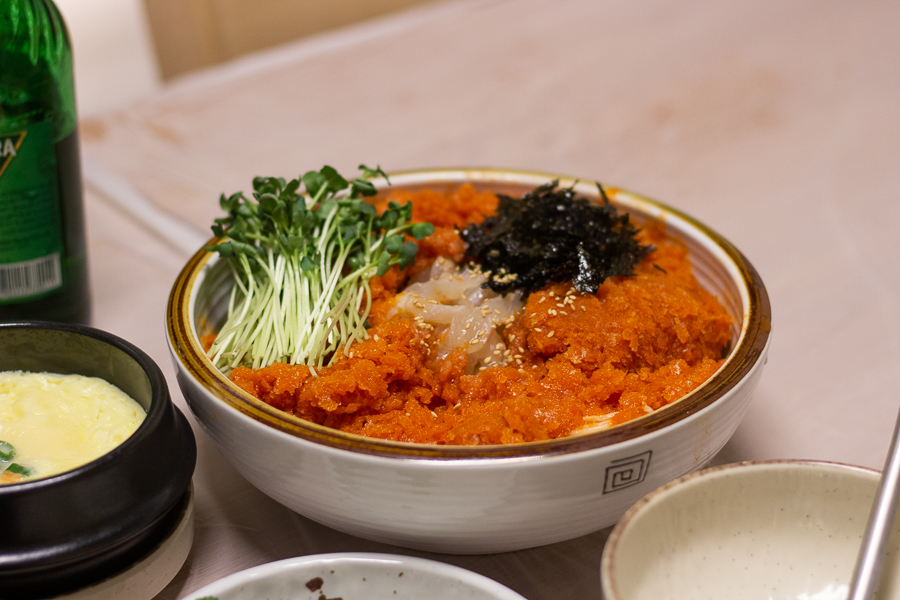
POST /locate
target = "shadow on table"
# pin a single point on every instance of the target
(561, 571)
(241, 527)
(237, 527)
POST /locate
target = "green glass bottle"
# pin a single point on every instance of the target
(43, 258)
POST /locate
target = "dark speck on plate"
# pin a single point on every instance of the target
(314, 584)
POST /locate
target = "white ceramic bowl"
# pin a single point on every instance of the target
(356, 576)
(775, 529)
(486, 498)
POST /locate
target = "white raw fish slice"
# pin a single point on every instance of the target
(503, 308)
(477, 294)
(435, 314)
(456, 334)
(439, 314)
(469, 329)
(462, 313)
(439, 267)
(482, 328)
(452, 292)
(446, 290)
(483, 355)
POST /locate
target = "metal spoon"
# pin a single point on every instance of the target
(871, 554)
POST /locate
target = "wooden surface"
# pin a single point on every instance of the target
(774, 122)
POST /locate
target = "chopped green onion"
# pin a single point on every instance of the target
(7, 452)
(19, 469)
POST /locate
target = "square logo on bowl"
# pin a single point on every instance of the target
(626, 472)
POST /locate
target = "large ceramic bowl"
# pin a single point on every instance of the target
(75, 529)
(349, 575)
(769, 529)
(487, 498)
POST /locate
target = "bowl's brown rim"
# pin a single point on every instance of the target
(741, 361)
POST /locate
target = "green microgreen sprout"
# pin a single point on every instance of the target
(302, 253)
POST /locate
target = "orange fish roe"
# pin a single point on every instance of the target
(573, 360)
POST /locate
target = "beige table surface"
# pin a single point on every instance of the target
(775, 122)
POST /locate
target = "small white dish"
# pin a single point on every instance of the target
(356, 576)
(771, 529)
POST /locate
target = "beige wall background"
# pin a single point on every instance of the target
(114, 58)
(192, 34)
(125, 50)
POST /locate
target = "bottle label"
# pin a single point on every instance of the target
(31, 241)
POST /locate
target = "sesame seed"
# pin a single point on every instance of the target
(550, 335)
(480, 333)
(538, 329)
(543, 298)
(564, 313)
(418, 304)
(468, 324)
(583, 309)
(560, 304)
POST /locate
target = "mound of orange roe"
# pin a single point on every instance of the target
(577, 360)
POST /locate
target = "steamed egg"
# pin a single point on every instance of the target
(56, 423)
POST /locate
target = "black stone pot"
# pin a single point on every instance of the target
(70, 530)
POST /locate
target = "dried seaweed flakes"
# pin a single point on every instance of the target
(551, 235)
